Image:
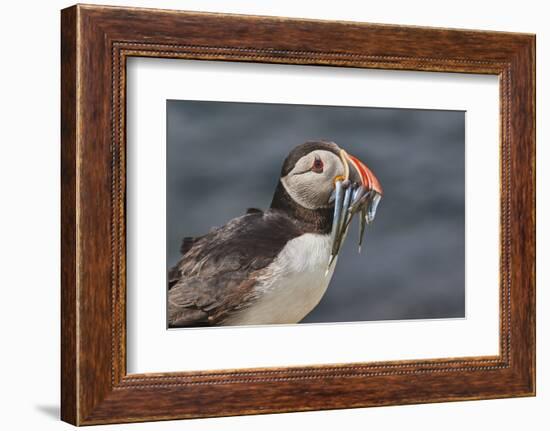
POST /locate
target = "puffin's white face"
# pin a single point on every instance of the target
(311, 182)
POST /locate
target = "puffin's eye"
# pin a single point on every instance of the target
(317, 165)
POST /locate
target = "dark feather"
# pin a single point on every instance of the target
(218, 271)
(174, 273)
(187, 243)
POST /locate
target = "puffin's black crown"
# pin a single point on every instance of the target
(301, 150)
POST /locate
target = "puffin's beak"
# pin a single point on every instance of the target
(364, 174)
(357, 191)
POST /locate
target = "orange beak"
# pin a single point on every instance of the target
(368, 179)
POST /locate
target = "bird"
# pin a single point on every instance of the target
(273, 266)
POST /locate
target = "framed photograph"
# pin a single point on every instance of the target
(264, 214)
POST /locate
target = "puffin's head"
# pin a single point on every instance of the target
(320, 176)
(311, 171)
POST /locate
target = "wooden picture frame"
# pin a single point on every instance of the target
(95, 43)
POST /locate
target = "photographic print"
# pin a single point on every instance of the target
(285, 214)
(348, 225)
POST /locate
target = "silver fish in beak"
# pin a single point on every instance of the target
(358, 191)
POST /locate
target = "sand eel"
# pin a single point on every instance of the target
(274, 266)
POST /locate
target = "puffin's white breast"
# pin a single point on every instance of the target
(292, 285)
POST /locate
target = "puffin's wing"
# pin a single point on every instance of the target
(217, 274)
(186, 245)
(203, 302)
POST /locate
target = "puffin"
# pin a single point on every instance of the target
(274, 266)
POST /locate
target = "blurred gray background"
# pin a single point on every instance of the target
(224, 157)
